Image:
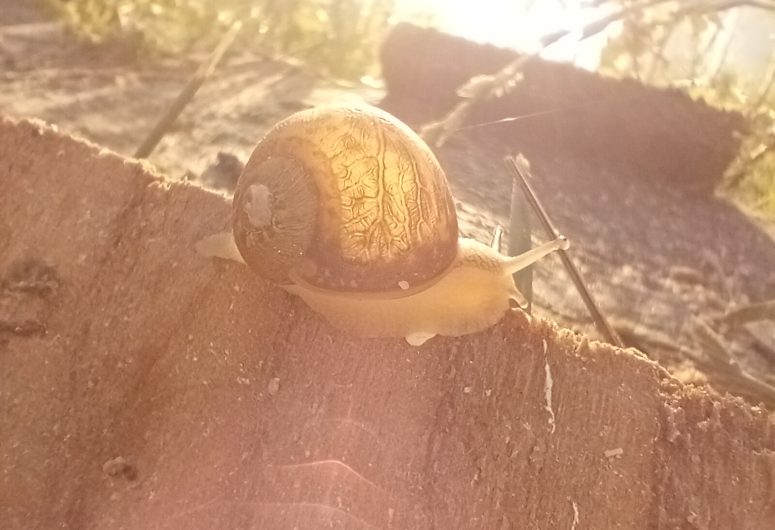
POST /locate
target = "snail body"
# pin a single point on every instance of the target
(347, 208)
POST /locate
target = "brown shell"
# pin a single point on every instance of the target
(347, 199)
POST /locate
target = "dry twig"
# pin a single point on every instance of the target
(204, 71)
(749, 313)
(600, 321)
(719, 364)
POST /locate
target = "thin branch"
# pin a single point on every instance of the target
(659, 59)
(600, 321)
(766, 86)
(648, 341)
(763, 150)
(204, 71)
(750, 313)
(477, 88)
(718, 31)
(719, 363)
(725, 50)
(710, 6)
(702, 8)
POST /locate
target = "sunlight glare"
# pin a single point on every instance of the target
(508, 23)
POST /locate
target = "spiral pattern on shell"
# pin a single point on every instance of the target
(346, 199)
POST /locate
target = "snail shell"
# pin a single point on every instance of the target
(345, 199)
(349, 209)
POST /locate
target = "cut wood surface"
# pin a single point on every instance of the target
(143, 386)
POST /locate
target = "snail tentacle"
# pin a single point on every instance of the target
(517, 263)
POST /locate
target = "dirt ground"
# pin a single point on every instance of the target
(655, 258)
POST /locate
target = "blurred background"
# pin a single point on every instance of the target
(649, 127)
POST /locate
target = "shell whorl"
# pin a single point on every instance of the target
(347, 199)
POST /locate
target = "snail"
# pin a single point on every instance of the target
(349, 209)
